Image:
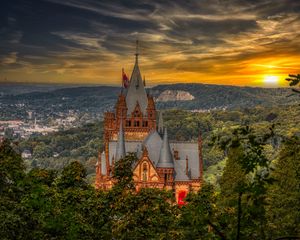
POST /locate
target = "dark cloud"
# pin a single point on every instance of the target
(192, 35)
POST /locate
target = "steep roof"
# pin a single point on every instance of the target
(136, 92)
(165, 156)
(180, 174)
(153, 143)
(120, 150)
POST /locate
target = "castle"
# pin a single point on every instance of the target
(133, 127)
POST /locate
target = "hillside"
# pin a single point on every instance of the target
(97, 99)
(83, 143)
(221, 96)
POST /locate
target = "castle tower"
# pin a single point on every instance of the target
(165, 165)
(120, 151)
(135, 107)
(160, 127)
(132, 127)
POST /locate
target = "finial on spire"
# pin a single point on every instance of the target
(137, 51)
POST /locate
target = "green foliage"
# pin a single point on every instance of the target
(294, 81)
(147, 214)
(244, 183)
(72, 175)
(43, 205)
(284, 194)
(11, 167)
(122, 172)
(198, 220)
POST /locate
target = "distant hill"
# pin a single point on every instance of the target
(208, 96)
(95, 100)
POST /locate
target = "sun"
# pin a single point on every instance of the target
(271, 80)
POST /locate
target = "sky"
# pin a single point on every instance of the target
(232, 42)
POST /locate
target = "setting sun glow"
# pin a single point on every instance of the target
(271, 80)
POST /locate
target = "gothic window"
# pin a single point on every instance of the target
(136, 123)
(145, 172)
(169, 177)
(145, 123)
(128, 123)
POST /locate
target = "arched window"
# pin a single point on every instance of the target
(145, 123)
(128, 123)
(136, 123)
(145, 172)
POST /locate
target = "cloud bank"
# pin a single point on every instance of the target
(234, 42)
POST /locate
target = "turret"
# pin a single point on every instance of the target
(165, 156)
(136, 91)
(160, 126)
(165, 164)
(120, 150)
(121, 108)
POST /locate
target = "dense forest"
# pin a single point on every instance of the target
(251, 187)
(94, 100)
(56, 150)
(257, 198)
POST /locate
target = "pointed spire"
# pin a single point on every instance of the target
(160, 126)
(136, 51)
(120, 151)
(136, 91)
(165, 156)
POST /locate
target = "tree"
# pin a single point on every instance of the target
(199, 217)
(12, 169)
(146, 214)
(244, 183)
(294, 81)
(12, 225)
(72, 175)
(284, 194)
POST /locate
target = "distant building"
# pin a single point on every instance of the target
(26, 154)
(163, 164)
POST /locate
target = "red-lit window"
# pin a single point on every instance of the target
(181, 197)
